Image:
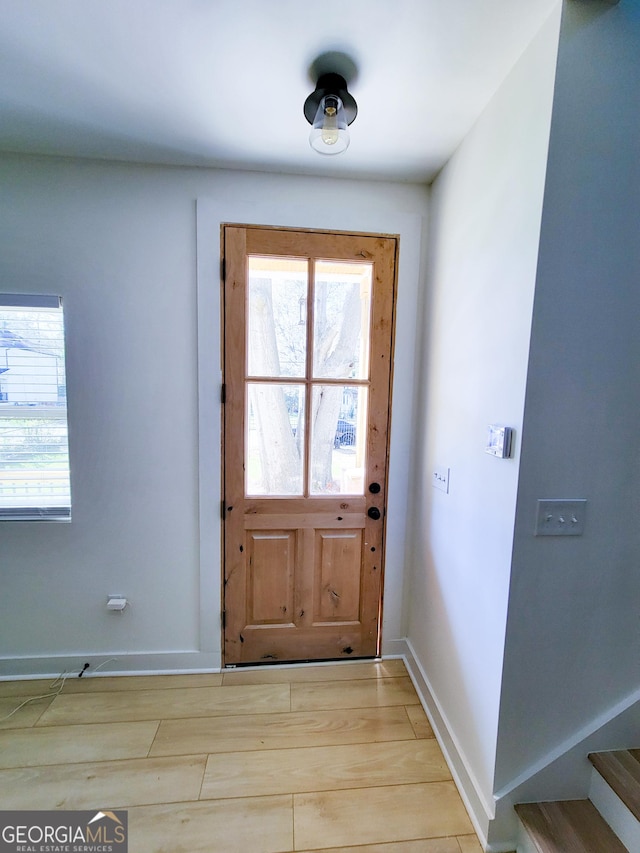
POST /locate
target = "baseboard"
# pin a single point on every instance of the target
(153, 663)
(479, 810)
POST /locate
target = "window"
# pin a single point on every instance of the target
(34, 453)
(307, 345)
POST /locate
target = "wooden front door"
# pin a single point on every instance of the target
(308, 333)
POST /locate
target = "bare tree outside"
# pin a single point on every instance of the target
(279, 444)
(277, 348)
(337, 330)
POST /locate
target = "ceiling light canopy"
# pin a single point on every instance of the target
(330, 109)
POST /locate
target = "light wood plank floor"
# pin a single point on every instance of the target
(335, 758)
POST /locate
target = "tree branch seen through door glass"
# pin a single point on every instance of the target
(280, 298)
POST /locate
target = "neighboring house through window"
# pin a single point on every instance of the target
(34, 453)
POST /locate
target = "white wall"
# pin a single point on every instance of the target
(573, 642)
(119, 243)
(486, 208)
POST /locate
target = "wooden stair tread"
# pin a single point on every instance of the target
(570, 826)
(621, 770)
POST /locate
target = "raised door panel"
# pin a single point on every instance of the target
(337, 561)
(271, 557)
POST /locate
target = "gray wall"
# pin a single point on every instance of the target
(573, 637)
(120, 244)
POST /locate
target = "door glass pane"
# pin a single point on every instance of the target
(274, 439)
(277, 317)
(341, 320)
(338, 440)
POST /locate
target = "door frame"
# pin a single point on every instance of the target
(361, 211)
(389, 370)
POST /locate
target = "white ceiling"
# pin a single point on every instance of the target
(223, 82)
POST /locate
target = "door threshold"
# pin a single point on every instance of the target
(301, 663)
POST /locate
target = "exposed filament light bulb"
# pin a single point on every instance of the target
(329, 134)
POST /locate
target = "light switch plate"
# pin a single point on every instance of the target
(560, 518)
(440, 479)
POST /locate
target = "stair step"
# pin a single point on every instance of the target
(570, 826)
(621, 771)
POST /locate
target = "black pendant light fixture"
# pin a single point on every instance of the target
(330, 109)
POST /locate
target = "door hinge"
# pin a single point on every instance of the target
(223, 393)
(222, 269)
(223, 513)
(224, 619)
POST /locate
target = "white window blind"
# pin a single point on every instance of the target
(34, 452)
